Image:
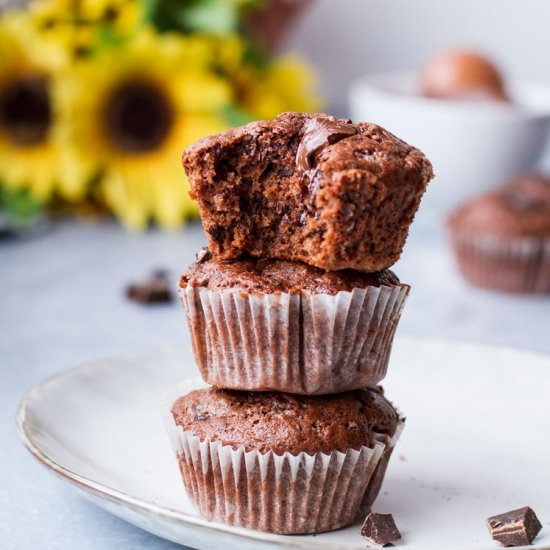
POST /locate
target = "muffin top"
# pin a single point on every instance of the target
(279, 422)
(269, 276)
(310, 188)
(521, 208)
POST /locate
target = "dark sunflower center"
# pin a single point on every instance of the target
(25, 110)
(138, 117)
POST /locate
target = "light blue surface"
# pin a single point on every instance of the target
(62, 303)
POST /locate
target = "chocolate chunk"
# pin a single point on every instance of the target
(159, 273)
(515, 528)
(155, 290)
(203, 255)
(380, 529)
(320, 132)
(199, 415)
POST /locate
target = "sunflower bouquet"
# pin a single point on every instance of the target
(98, 98)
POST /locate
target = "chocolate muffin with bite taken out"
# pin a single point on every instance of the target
(308, 188)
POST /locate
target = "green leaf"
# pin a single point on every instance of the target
(18, 204)
(108, 37)
(235, 116)
(255, 54)
(216, 17)
(149, 7)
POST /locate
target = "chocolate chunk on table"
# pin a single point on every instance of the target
(515, 528)
(380, 529)
(155, 290)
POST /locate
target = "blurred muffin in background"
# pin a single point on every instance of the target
(462, 75)
(501, 240)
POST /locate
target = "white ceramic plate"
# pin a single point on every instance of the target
(476, 444)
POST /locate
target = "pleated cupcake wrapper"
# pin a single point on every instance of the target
(375, 482)
(513, 265)
(286, 494)
(299, 343)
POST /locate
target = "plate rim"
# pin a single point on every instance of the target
(119, 497)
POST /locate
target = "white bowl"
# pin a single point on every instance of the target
(472, 145)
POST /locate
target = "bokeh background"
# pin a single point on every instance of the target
(350, 38)
(99, 97)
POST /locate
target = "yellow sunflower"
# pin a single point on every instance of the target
(32, 155)
(286, 84)
(77, 24)
(135, 109)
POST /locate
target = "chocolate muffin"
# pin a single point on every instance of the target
(502, 239)
(286, 326)
(309, 188)
(279, 462)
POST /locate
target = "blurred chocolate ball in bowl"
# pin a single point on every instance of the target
(462, 75)
(501, 239)
(478, 126)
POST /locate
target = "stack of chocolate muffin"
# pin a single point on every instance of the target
(292, 312)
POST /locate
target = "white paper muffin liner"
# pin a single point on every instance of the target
(298, 343)
(519, 265)
(285, 494)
